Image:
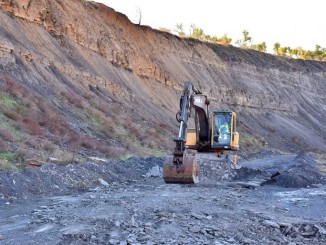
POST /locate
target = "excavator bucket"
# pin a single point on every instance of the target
(185, 173)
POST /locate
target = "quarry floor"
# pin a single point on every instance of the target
(144, 210)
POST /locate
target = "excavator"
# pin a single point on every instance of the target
(214, 132)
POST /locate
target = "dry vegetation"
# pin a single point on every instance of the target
(35, 128)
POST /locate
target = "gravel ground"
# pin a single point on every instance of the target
(128, 203)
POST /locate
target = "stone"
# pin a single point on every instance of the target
(247, 241)
(232, 240)
(133, 221)
(198, 216)
(321, 230)
(114, 241)
(218, 243)
(144, 238)
(155, 171)
(195, 229)
(6, 46)
(103, 182)
(117, 223)
(53, 159)
(271, 223)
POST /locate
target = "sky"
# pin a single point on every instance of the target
(293, 23)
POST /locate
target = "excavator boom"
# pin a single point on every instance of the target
(182, 166)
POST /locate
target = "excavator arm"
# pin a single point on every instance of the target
(182, 168)
(184, 114)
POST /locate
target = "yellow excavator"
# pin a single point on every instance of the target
(214, 132)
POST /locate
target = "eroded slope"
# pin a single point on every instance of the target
(115, 84)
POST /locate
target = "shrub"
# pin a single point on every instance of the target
(88, 143)
(14, 88)
(12, 115)
(32, 126)
(74, 141)
(3, 146)
(46, 145)
(96, 118)
(107, 128)
(116, 152)
(6, 135)
(74, 99)
(23, 154)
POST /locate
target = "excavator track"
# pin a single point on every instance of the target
(184, 173)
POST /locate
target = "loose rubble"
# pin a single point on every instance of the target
(139, 208)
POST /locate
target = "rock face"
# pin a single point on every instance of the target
(98, 53)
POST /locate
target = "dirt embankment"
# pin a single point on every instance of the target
(115, 85)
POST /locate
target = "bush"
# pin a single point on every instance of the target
(74, 99)
(3, 146)
(12, 115)
(6, 135)
(32, 126)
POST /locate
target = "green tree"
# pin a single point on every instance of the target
(318, 52)
(323, 55)
(276, 47)
(207, 37)
(282, 51)
(302, 54)
(246, 37)
(197, 33)
(215, 39)
(260, 47)
(293, 52)
(245, 41)
(225, 39)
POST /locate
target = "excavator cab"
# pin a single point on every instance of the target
(223, 128)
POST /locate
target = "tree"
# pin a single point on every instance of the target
(318, 52)
(245, 41)
(138, 15)
(282, 51)
(215, 39)
(192, 26)
(197, 33)
(246, 37)
(276, 47)
(300, 53)
(225, 39)
(260, 47)
(323, 55)
(293, 52)
(180, 29)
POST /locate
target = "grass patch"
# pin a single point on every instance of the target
(8, 156)
(95, 118)
(7, 100)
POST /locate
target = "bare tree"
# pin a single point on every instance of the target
(138, 15)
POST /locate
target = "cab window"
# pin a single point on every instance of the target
(222, 129)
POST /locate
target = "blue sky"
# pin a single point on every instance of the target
(294, 23)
